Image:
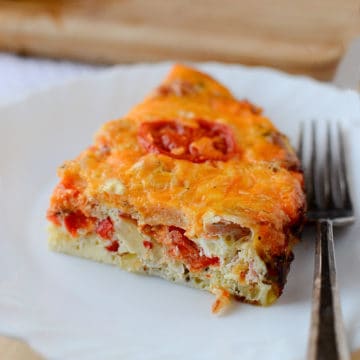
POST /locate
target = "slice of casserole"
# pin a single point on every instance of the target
(193, 186)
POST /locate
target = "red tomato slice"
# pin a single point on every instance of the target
(114, 246)
(186, 250)
(105, 229)
(74, 221)
(207, 141)
(148, 244)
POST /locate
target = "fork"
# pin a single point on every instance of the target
(329, 204)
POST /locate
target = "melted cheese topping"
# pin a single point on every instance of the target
(259, 188)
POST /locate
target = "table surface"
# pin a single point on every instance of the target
(301, 36)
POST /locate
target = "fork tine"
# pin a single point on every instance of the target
(330, 178)
(303, 135)
(300, 151)
(343, 179)
(312, 173)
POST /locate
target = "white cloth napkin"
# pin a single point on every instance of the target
(21, 76)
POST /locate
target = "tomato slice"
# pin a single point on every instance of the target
(148, 244)
(75, 221)
(113, 247)
(105, 229)
(186, 250)
(207, 141)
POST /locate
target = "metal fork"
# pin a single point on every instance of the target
(329, 203)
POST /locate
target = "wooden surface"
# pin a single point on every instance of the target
(11, 349)
(305, 36)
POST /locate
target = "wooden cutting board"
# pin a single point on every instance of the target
(306, 36)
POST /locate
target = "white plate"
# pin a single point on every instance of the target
(77, 309)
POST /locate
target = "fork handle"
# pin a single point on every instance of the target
(327, 335)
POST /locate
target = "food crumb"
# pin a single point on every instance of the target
(222, 301)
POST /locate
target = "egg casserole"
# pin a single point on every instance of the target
(192, 185)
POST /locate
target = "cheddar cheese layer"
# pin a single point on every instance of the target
(191, 185)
